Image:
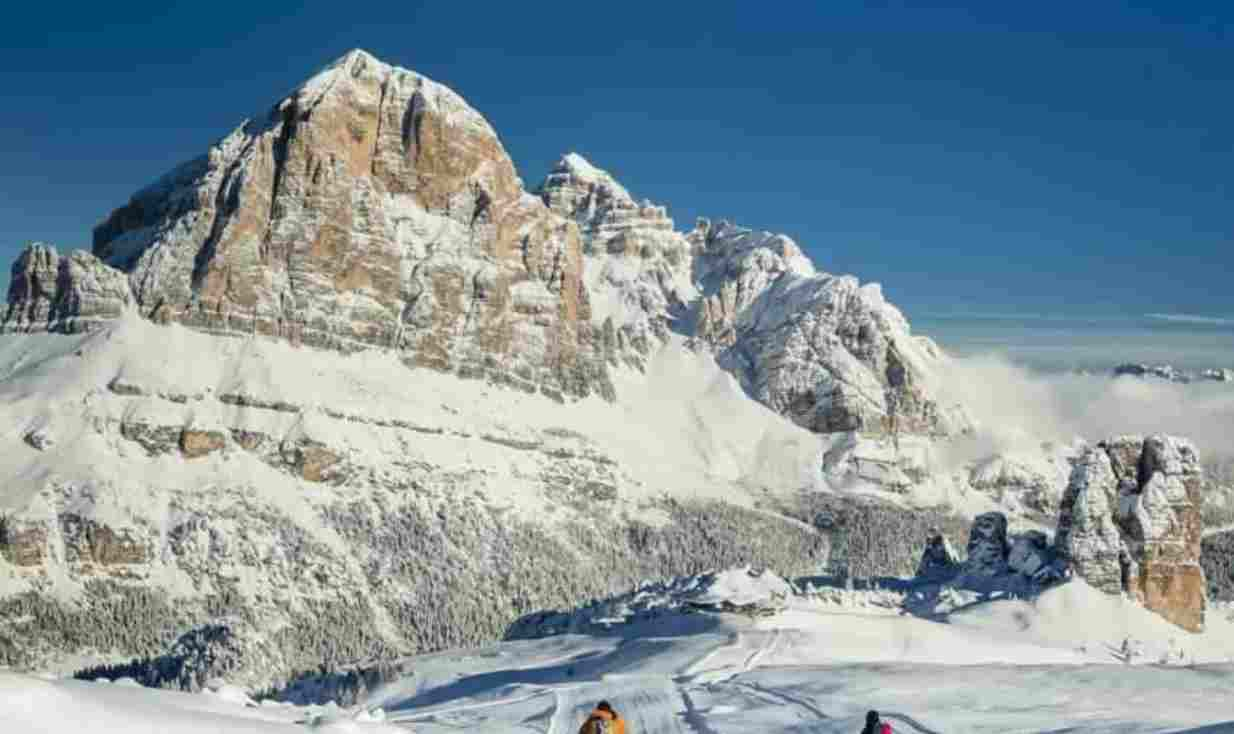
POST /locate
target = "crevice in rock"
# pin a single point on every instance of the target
(412, 118)
(226, 201)
(381, 119)
(280, 151)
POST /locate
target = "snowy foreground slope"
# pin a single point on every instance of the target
(816, 664)
(345, 507)
(329, 507)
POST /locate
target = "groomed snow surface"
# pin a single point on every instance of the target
(1051, 665)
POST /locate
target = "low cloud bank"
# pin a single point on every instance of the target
(1017, 409)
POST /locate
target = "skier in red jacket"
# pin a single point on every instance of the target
(874, 726)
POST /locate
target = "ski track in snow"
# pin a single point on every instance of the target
(435, 712)
(555, 725)
(700, 671)
(656, 706)
(771, 641)
(784, 698)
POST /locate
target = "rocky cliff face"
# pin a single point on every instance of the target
(69, 293)
(638, 269)
(1130, 523)
(371, 207)
(825, 351)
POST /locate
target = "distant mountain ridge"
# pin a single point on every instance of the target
(374, 207)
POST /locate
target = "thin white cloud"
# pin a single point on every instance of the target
(1187, 318)
(997, 316)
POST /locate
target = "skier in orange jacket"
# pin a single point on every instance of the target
(604, 720)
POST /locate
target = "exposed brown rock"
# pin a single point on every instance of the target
(90, 542)
(311, 460)
(194, 443)
(1130, 523)
(1176, 592)
(23, 543)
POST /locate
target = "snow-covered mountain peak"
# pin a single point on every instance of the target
(358, 73)
(374, 208)
(354, 63)
(602, 207)
(578, 168)
(732, 249)
(826, 351)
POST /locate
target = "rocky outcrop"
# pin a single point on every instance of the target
(939, 560)
(1130, 523)
(311, 460)
(1170, 373)
(23, 542)
(41, 438)
(154, 438)
(1021, 563)
(1217, 558)
(1030, 554)
(68, 293)
(197, 443)
(94, 545)
(371, 207)
(987, 546)
(825, 351)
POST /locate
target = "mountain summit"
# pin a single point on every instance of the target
(370, 207)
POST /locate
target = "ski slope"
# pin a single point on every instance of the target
(1008, 666)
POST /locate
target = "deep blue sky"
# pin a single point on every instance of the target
(1069, 158)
